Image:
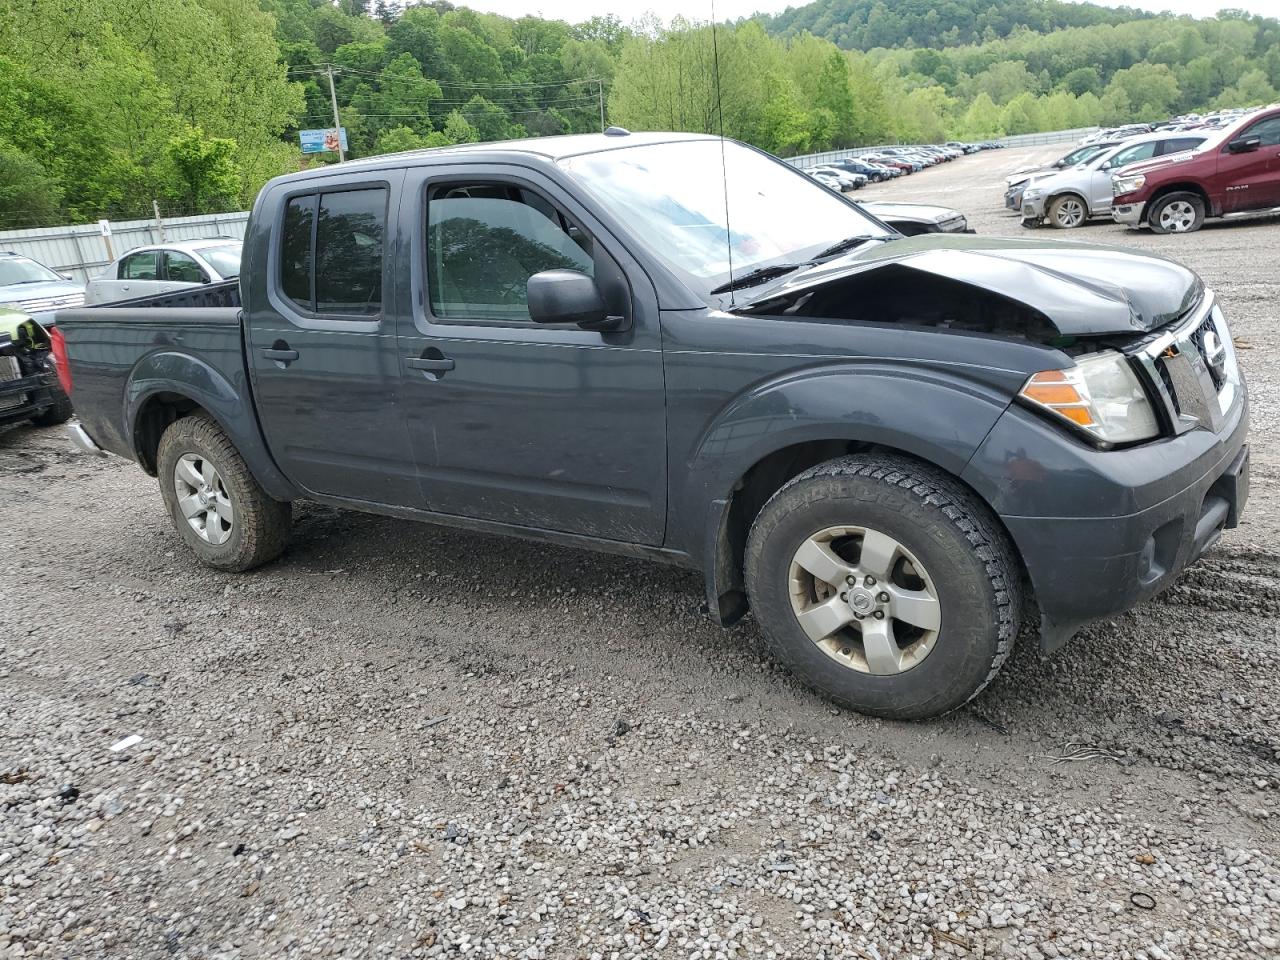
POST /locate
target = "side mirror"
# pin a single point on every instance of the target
(66, 276)
(567, 296)
(1244, 144)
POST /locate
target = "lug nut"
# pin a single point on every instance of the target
(870, 581)
(851, 580)
(844, 597)
(879, 614)
(882, 597)
(858, 616)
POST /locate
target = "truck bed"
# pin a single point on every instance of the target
(190, 337)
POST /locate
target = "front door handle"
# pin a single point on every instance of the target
(432, 364)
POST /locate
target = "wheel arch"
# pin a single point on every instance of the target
(166, 387)
(946, 446)
(1068, 192)
(1179, 187)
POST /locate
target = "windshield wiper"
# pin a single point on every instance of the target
(848, 243)
(756, 276)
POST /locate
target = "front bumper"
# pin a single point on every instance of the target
(1032, 208)
(1129, 214)
(1101, 530)
(26, 397)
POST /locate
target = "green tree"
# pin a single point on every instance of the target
(203, 172)
(30, 196)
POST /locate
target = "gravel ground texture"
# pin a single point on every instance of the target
(406, 741)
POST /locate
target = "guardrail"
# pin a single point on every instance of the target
(82, 250)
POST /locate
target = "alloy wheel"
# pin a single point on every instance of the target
(203, 498)
(1070, 213)
(1177, 217)
(864, 599)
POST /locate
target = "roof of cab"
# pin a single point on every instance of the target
(548, 149)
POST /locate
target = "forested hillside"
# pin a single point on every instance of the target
(106, 105)
(864, 24)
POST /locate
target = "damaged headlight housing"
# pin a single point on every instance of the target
(1127, 184)
(1100, 396)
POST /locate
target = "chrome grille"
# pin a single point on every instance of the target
(9, 370)
(1193, 370)
(40, 305)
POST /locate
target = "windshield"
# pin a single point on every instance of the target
(672, 195)
(22, 270)
(224, 259)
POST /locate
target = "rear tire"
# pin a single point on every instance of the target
(253, 527)
(60, 412)
(1177, 213)
(916, 661)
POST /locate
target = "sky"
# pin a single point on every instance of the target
(576, 10)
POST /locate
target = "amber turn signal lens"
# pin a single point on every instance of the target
(1061, 393)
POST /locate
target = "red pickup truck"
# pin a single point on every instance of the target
(1234, 173)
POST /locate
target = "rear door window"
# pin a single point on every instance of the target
(180, 268)
(1179, 144)
(140, 266)
(331, 252)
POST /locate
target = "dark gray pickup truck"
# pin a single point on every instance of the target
(893, 449)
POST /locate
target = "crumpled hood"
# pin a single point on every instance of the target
(1082, 288)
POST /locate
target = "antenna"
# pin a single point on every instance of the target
(724, 172)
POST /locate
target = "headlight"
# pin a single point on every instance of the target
(1032, 193)
(1100, 395)
(1129, 184)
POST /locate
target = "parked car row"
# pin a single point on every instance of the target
(884, 163)
(1170, 179)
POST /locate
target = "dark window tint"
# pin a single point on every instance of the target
(1267, 130)
(140, 266)
(484, 242)
(349, 252)
(1182, 143)
(295, 251)
(180, 268)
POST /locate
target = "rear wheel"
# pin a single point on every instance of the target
(1177, 213)
(216, 504)
(883, 584)
(1068, 212)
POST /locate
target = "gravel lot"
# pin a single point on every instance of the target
(403, 741)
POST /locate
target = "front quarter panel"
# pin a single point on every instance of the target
(786, 382)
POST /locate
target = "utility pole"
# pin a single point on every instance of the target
(337, 121)
(600, 92)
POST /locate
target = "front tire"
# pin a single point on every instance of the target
(216, 504)
(1177, 213)
(884, 584)
(1068, 212)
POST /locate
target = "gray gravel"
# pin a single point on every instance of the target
(404, 741)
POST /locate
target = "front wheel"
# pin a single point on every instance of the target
(884, 584)
(216, 504)
(1068, 212)
(1177, 213)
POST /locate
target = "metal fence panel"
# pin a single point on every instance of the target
(82, 251)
